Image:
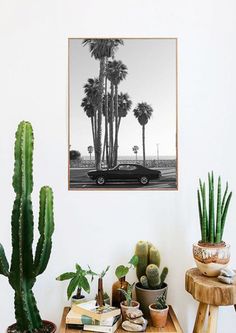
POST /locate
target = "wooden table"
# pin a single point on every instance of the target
(210, 293)
(172, 325)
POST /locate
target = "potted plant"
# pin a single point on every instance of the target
(211, 253)
(78, 282)
(24, 266)
(128, 302)
(151, 282)
(100, 294)
(121, 272)
(159, 311)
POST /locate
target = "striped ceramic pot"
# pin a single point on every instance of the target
(211, 258)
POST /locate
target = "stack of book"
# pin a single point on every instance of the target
(89, 317)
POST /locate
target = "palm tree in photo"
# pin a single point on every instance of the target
(90, 151)
(90, 103)
(124, 105)
(101, 49)
(117, 72)
(143, 113)
(135, 150)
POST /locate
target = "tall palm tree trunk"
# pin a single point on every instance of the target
(98, 147)
(92, 125)
(106, 123)
(116, 126)
(144, 159)
(111, 119)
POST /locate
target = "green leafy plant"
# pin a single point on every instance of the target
(128, 294)
(24, 266)
(148, 265)
(78, 280)
(100, 293)
(160, 303)
(212, 221)
(122, 271)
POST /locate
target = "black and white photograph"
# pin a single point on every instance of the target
(122, 114)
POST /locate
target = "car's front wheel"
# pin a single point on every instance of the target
(144, 180)
(100, 180)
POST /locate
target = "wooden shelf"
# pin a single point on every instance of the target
(172, 325)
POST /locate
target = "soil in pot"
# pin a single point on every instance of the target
(48, 327)
(158, 317)
(124, 307)
(148, 296)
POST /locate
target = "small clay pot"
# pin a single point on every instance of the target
(50, 326)
(211, 258)
(125, 308)
(158, 317)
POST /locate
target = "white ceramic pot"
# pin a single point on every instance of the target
(211, 258)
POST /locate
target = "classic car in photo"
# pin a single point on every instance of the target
(125, 172)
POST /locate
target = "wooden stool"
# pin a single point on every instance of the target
(211, 294)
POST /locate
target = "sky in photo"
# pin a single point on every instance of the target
(151, 78)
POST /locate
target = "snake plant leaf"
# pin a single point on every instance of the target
(65, 276)
(4, 266)
(46, 228)
(121, 271)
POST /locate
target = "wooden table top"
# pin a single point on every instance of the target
(209, 290)
(172, 325)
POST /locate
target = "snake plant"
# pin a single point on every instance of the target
(25, 266)
(212, 220)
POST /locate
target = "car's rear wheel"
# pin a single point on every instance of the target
(144, 180)
(100, 181)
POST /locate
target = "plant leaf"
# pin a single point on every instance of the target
(84, 284)
(134, 261)
(74, 282)
(121, 271)
(65, 276)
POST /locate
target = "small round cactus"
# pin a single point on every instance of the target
(152, 273)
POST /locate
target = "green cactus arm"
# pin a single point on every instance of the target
(46, 228)
(153, 276)
(218, 215)
(225, 213)
(144, 281)
(154, 256)
(212, 207)
(141, 251)
(200, 211)
(163, 275)
(4, 266)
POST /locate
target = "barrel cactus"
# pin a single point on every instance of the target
(25, 266)
(147, 269)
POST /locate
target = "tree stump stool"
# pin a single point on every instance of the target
(210, 293)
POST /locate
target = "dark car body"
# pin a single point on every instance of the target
(125, 172)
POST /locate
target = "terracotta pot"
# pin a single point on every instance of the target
(53, 327)
(124, 307)
(211, 258)
(117, 295)
(158, 317)
(148, 296)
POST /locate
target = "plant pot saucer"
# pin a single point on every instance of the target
(48, 327)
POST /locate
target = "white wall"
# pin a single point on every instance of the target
(102, 228)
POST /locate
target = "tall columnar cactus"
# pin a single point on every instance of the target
(148, 266)
(24, 266)
(212, 220)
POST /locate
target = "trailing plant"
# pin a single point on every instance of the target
(212, 220)
(160, 303)
(78, 280)
(148, 265)
(122, 271)
(24, 266)
(128, 294)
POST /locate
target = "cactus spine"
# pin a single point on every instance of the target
(148, 266)
(24, 267)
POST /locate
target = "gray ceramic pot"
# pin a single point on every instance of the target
(148, 296)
